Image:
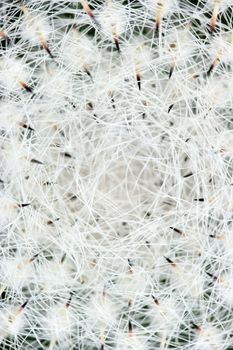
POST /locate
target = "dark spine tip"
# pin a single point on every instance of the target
(212, 276)
(187, 175)
(63, 258)
(51, 222)
(35, 161)
(138, 77)
(90, 14)
(113, 103)
(210, 69)
(157, 27)
(116, 41)
(155, 300)
(130, 263)
(47, 49)
(170, 108)
(212, 28)
(24, 304)
(34, 257)
(23, 205)
(88, 73)
(170, 261)
(176, 230)
(28, 127)
(199, 199)
(69, 301)
(96, 118)
(195, 326)
(72, 104)
(73, 197)
(90, 105)
(67, 155)
(47, 183)
(171, 72)
(130, 327)
(27, 88)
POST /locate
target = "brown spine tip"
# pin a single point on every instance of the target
(69, 301)
(214, 16)
(88, 10)
(90, 13)
(130, 266)
(26, 87)
(157, 26)
(4, 36)
(155, 300)
(116, 41)
(195, 326)
(212, 27)
(212, 276)
(25, 126)
(51, 222)
(138, 78)
(213, 22)
(34, 257)
(47, 49)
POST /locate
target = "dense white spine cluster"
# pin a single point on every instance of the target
(116, 175)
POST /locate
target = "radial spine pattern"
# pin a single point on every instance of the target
(116, 175)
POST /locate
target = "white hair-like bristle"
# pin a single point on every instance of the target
(116, 175)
